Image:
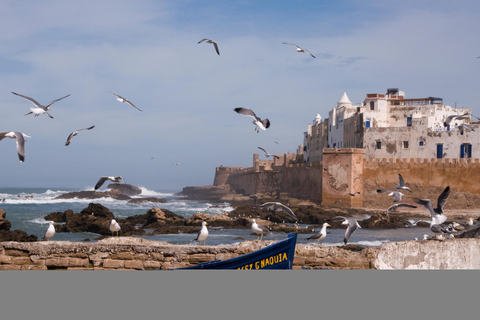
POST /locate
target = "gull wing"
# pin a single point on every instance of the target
(442, 199)
(401, 181)
(100, 182)
(246, 112)
(30, 99)
(48, 105)
(427, 203)
(20, 146)
(264, 151)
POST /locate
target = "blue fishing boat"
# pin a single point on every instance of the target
(278, 255)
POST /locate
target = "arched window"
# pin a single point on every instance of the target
(372, 105)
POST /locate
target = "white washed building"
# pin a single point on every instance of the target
(392, 126)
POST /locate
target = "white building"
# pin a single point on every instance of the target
(391, 126)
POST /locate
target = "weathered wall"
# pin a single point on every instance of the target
(429, 254)
(460, 174)
(342, 176)
(128, 253)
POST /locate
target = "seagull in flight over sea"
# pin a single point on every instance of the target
(122, 99)
(352, 226)
(268, 154)
(299, 49)
(436, 213)
(20, 137)
(39, 108)
(211, 41)
(103, 179)
(259, 123)
(74, 133)
(402, 185)
(277, 206)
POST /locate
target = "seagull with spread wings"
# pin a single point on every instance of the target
(259, 123)
(352, 226)
(299, 49)
(39, 108)
(436, 213)
(464, 127)
(398, 205)
(277, 206)
(122, 99)
(268, 154)
(397, 195)
(103, 179)
(402, 185)
(212, 42)
(74, 133)
(20, 137)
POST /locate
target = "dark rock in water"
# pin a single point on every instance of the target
(85, 195)
(125, 189)
(471, 233)
(16, 235)
(147, 199)
(208, 193)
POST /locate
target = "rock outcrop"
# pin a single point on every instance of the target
(16, 235)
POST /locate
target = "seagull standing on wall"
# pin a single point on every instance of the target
(259, 229)
(203, 233)
(320, 235)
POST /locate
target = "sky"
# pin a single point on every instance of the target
(148, 52)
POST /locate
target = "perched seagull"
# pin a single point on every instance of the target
(114, 227)
(436, 213)
(203, 233)
(464, 127)
(20, 137)
(211, 41)
(39, 108)
(299, 49)
(122, 99)
(470, 222)
(50, 231)
(74, 133)
(268, 154)
(103, 179)
(438, 230)
(352, 226)
(259, 123)
(259, 229)
(397, 195)
(402, 185)
(397, 205)
(277, 206)
(320, 235)
(457, 226)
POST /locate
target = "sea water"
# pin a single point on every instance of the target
(26, 208)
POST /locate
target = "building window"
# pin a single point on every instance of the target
(421, 143)
(378, 145)
(372, 105)
(439, 151)
(409, 121)
(405, 144)
(465, 150)
(367, 124)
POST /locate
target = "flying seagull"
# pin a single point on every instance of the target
(436, 213)
(259, 229)
(268, 154)
(410, 224)
(203, 233)
(320, 235)
(452, 117)
(74, 133)
(299, 49)
(398, 205)
(402, 185)
(39, 108)
(20, 142)
(103, 179)
(211, 41)
(259, 123)
(114, 227)
(277, 206)
(464, 127)
(122, 99)
(50, 231)
(397, 195)
(352, 226)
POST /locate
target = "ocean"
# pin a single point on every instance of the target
(26, 208)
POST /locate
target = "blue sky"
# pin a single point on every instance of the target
(147, 52)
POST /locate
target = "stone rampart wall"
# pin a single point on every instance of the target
(461, 174)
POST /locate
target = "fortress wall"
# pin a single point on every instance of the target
(459, 174)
